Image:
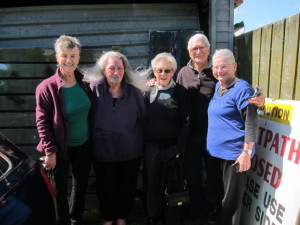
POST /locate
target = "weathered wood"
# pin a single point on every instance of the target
(17, 70)
(265, 56)
(297, 85)
(20, 136)
(243, 46)
(17, 119)
(290, 57)
(276, 59)
(39, 55)
(19, 86)
(17, 103)
(256, 41)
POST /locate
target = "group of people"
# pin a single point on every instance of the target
(108, 116)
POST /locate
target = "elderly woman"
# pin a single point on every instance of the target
(232, 133)
(166, 134)
(62, 109)
(118, 117)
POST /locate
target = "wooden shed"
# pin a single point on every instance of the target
(138, 29)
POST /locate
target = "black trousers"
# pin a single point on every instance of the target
(196, 173)
(116, 187)
(160, 167)
(228, 187)
(80, 164)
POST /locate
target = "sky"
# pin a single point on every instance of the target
(257, 13)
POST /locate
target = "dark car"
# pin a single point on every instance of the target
(26, 193)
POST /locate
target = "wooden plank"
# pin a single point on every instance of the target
(28, 70)
(297, 84)
(256, 40)
(31, 70)
(243, 44)
(26, 136)
(17, 103)
(276, 59)
(290, 57)
(19, 86)
(265, 55)
(39, 55)
(14, 119)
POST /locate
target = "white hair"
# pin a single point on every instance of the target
(164, 56)
(224, 53)
(137, 78)
(197, 37)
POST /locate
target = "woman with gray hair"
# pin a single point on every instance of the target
(166, 135)
(232, 133)
(118, 117)
(62, 109)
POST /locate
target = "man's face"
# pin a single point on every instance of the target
(199, 52)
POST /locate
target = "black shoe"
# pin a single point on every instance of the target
(151, 221)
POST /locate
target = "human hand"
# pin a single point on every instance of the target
(258, 100)
(244, 161)
(151, 82)
(50, 161)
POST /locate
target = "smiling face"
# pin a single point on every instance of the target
(163, 72)
(223, 70)
(199, 52)
(68, 60)
(114, 71)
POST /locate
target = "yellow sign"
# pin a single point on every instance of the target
(280, 113)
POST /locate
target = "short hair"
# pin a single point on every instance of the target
(224, 53)
(164, 56)
(197, 37)
(64, 42)
(137, 78)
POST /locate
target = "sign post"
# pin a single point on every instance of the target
(272, 192)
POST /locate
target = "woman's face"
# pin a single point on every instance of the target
(114, 71)
(68, 60)
(163, 72)
(223, 70)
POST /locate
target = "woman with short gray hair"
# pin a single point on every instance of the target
(62, 109)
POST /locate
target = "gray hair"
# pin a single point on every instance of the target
(164, 56)
(224, 53)
(137, 78)
(197, 37)
(64, 42)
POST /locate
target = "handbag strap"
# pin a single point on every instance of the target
(179, 175)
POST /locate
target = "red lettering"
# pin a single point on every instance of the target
(261, 132)
(268, 138)
(294, 150)
(261, 167)
(275, 143)
(276, 178)
(285, 140)
(270, 173)
(267, 172)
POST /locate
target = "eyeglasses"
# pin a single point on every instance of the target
(200, 48)
(165, 71)
(223, 67)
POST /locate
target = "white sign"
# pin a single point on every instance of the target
(272, 192)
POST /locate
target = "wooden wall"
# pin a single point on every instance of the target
(270, 56)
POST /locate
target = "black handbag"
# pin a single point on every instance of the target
(15, 166)
(178, 196)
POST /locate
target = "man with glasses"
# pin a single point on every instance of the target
(197, 77)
